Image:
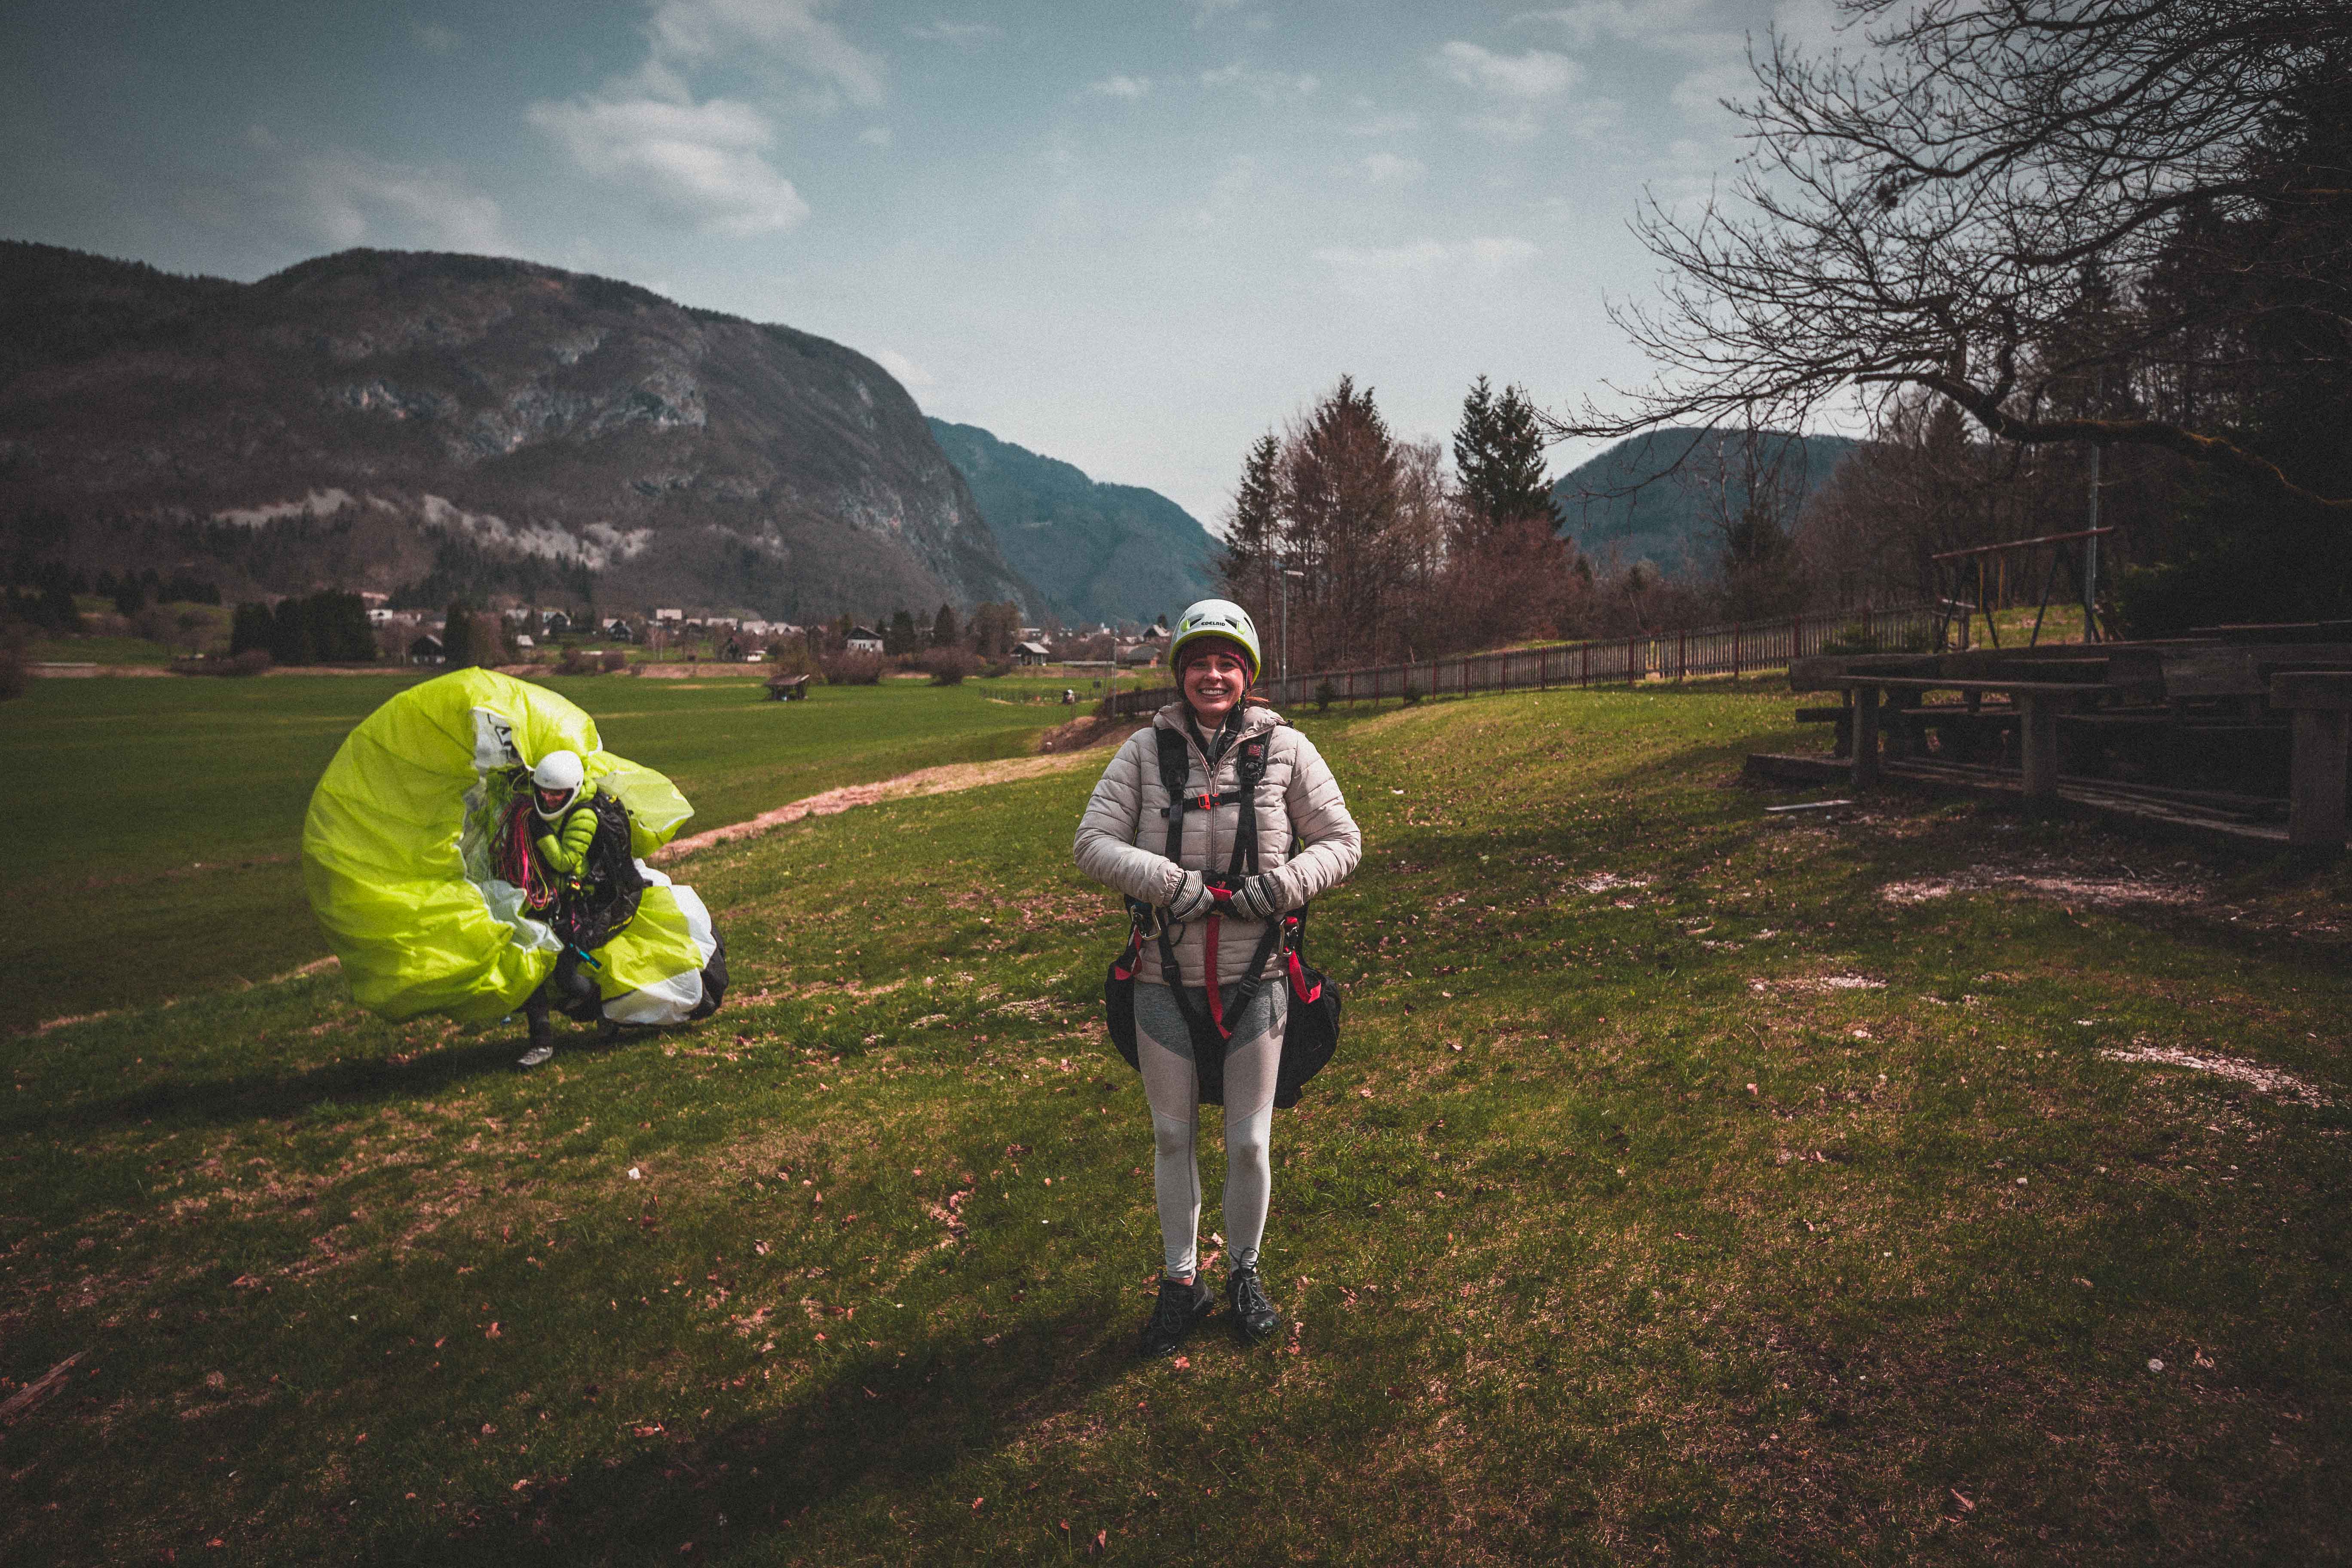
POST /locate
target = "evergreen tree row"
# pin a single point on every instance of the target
(327, 627)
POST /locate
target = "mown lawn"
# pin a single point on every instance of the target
(1678, 1194)
(160, 821)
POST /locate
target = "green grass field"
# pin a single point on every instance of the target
(1694, 1184)
(164, 817)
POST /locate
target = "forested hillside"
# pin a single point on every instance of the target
(1660, 496)
(1097, 551)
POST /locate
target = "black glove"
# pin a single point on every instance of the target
(1190, 900)
(1259, 897)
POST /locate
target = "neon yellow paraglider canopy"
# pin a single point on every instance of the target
(396, 858)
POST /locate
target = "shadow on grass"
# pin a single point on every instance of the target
(344, 1082)
(869, 1440)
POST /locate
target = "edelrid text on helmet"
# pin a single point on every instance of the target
(1219, 618)
(557, 771)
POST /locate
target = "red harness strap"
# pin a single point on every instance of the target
(1299, 981)
(1224, 900)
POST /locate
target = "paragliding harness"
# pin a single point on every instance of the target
(1312, 1031)
(585, 911)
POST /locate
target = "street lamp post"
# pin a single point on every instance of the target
(1287, 575)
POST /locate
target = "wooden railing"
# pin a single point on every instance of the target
(1734, 650)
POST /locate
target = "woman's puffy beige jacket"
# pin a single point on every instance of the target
(1124, 831)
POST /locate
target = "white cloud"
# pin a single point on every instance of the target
(1120, 86)
(1237, 191)
(875, 136)
(790, 32)
(1393, 272)
(1207, 11)
(1375, 125)
(348, 198)
(1385, 167)
(1703, 92)
(908, 372)
(434, 38)
(1421, 255)
(961, 35)
(704, 162)
(1518, 125)
(1677, 27)
(1537, 73)
(1496, 252)
(1269, 85)
(1814, 24)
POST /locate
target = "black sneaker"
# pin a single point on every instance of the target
(1255, 1317)
(1181, 1308)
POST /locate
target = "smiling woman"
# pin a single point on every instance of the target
(1218, 823)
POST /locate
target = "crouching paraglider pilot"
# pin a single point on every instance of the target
(567, 846)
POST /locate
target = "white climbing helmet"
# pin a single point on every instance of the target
(557, 770)
(1215, 619)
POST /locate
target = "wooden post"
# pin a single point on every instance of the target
(1630, 677)
(1866, 735)
(1735, 653)
(2314, 812)
(2037, 727)
(2321, 701)
(1584, 674)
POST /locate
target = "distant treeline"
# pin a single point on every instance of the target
(41, 595)
(324, 628)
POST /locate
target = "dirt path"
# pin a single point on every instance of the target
(947, 780)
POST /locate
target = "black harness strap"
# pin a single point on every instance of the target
(1175, 774)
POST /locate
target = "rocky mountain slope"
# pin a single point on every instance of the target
(428, 423)
(1657, 497)
(1097, 551)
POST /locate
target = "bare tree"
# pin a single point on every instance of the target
(1936, 209)
(1343, 483)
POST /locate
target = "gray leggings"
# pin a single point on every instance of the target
(1253, 1056)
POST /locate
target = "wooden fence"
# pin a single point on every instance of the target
(1672, 655)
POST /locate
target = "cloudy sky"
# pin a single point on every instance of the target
(1130, 235)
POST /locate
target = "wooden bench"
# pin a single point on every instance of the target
(2037, 704)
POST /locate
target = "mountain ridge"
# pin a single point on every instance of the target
(384, 418)
(1098, 550)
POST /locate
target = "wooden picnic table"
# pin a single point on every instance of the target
(2038, 704)
(2280, 695)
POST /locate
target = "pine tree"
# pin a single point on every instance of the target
(289, 634)
(1255, 542)
(58, 612)
(901, 638)
(1498, 459)
(250, 630)
(459, 640)
(339, 633)
(944, 630)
